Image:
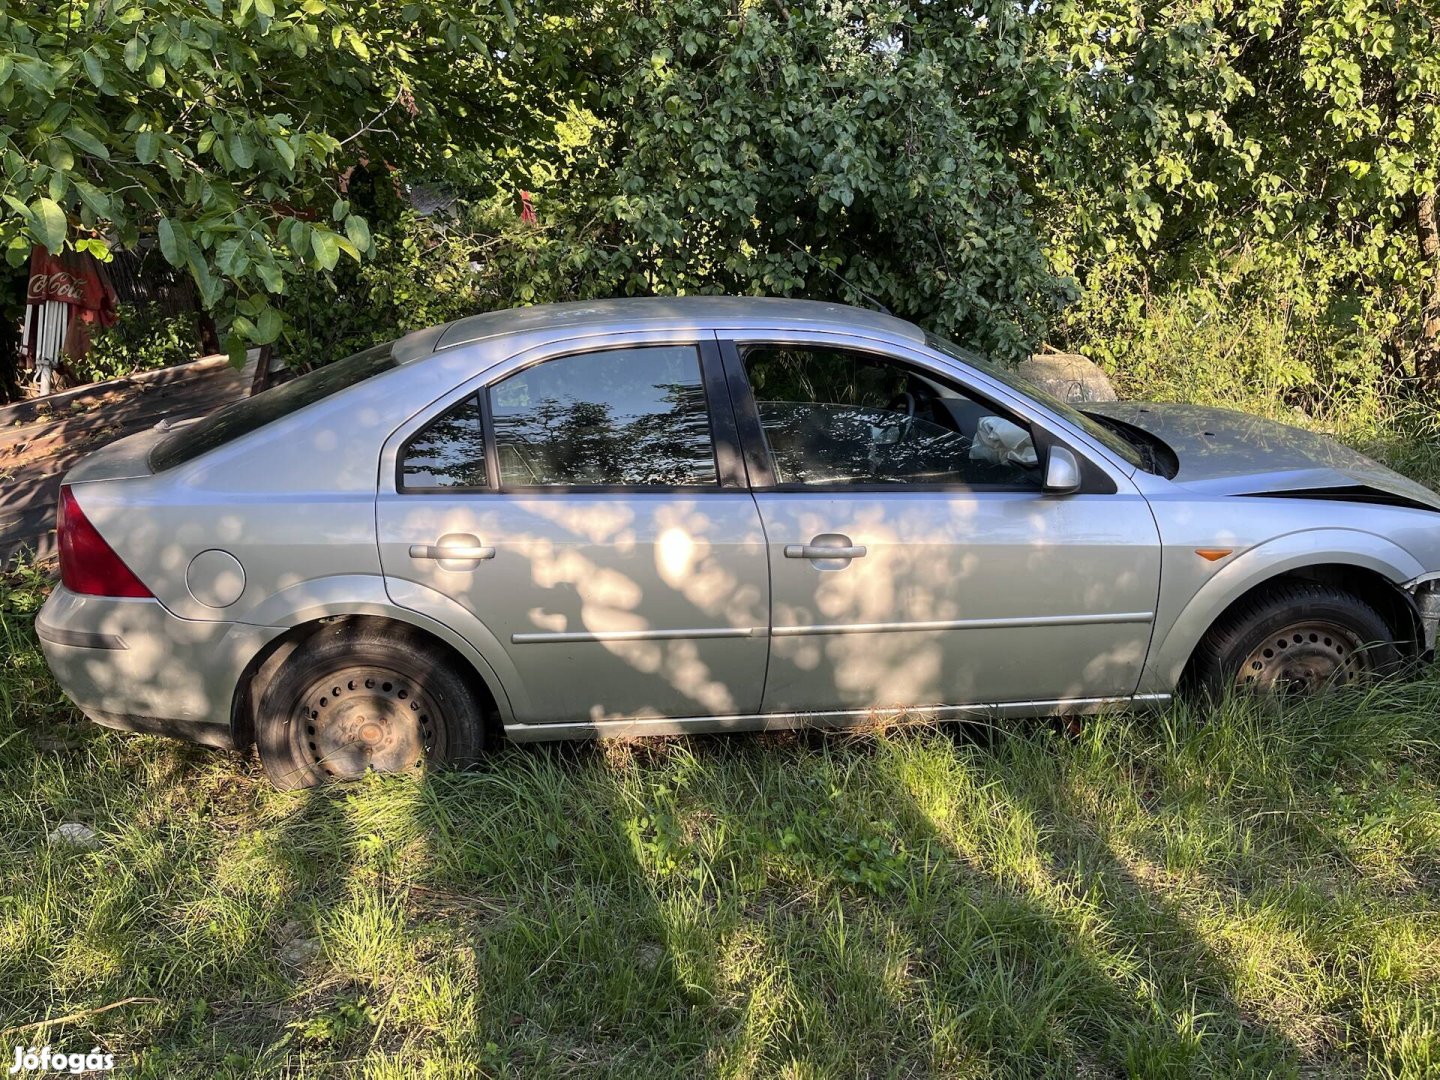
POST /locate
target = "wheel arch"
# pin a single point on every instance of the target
(1389, 601)
(272, 657)
(1370, 566)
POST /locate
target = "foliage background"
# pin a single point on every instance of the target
(1224, 199)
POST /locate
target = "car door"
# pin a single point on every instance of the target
(586, 504)
(914, 559)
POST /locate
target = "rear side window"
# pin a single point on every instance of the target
(254, 413)
(448, 452)
(623, 418)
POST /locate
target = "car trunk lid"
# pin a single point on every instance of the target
(122, 459)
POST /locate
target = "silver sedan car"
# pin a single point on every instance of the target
(701, 515)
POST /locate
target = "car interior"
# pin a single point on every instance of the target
(837, 416)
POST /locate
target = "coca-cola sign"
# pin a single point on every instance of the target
(58, 285)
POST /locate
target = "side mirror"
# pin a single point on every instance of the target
(1062, 471)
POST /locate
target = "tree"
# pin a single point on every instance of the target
(223, 128)
(805, 150)
(1297, 137)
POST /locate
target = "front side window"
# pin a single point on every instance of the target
(837, 417)
(620, 417)
(1111, 439)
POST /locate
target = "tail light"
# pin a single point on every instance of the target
(88, 564)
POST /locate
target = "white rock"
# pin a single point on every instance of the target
(296, 948)
(72, 832)
(1068, 376)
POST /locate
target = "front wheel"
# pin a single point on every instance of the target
(1295, 640)
(361, 697)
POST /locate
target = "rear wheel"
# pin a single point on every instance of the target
(362, 697)
(1295, 640)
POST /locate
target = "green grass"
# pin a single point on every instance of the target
(1238, 894)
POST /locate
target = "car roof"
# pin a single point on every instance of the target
(645, 313)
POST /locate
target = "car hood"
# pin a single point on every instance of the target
(1235, 453)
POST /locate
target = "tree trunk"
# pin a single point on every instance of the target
(1427, 352)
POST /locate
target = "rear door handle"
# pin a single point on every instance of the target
(822, 551)
(457, 547)
(826, 546)
(435, 551)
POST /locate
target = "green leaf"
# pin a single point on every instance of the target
(232, 258)
(48, 223)
(94, 68)
(94, 199)
(87, 142)
(60, 156)
(54, 116)
(155, 77)
(269, 326)
(96, 247)
(282, 147)
(235, 348)
(358, 231)
(210, 287)
(171, 242)
(296, 235)
(271, 276)
(357, 44)
(242, 150)
(327, 248)
(40, 75)
(135, 53)
(147, 147)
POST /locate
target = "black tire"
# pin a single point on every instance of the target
(1294, 640)
(365, 695)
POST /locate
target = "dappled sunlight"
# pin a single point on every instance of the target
(654, 607)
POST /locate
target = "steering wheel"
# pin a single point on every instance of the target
(903, 402)
(903, 399)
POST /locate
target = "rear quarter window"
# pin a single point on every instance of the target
(251, 414)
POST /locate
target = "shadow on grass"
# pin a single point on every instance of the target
(926, 902)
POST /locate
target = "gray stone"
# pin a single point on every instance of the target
(1067, 376)
(72, 832)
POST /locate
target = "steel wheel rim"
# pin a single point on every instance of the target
(366, 719)
(1302, 659)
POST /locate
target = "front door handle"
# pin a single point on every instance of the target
(453, 547)
(826, 546)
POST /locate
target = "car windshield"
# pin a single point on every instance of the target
(253, 413)
(1100, 433)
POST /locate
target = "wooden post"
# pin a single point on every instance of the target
(262, 371)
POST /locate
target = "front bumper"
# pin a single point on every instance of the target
(1425, 592)
(131, 664)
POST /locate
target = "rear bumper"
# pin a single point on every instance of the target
(131, 664)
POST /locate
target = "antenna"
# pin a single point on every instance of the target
(876, 304)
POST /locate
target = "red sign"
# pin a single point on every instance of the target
(58, 285)
(70, 278)
(74, 279)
